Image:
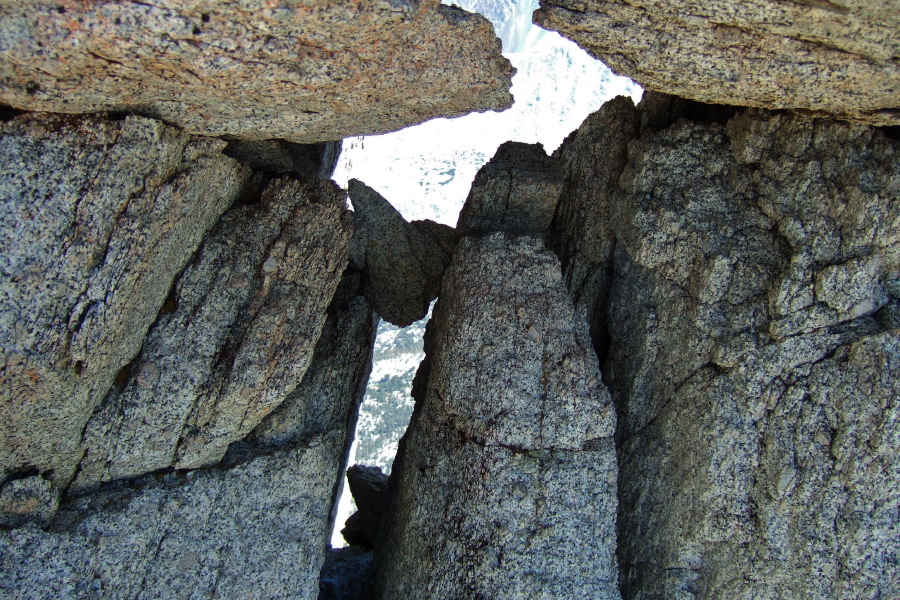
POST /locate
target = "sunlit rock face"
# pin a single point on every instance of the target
(234, 340)
(298, 71)
(752, 346)
(835, 57)
(98, 217)
(253, 526)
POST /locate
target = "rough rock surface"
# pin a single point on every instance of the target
(28, 501)
(335, 382)
(591, 159)
(403, 262)
(254, 527)
(369, 488)
(257, 530)
(300, 71)
(753, 351)
(833, 56)
(750, 372)
(516, 192)
(344, 574)
(505, 483)
(233, 341)
(97, 218)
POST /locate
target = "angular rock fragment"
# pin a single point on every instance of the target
(298, 71)
(97, 218)
(369, 488)
(233, 341)
(516, 192)
(403, 262)
(505, 483)
(833, 57)
(755, 263)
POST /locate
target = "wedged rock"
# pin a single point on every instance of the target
(505, 482)
(516, 193)
(299, 71)
(403, 262)
(234, 340)
(312, 161)
(98, 216)
(824, 56)
(752, 357)
(255, 526)
(369, 488)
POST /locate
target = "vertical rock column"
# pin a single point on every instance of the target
(505, 483)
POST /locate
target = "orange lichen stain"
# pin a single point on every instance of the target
(34, 377)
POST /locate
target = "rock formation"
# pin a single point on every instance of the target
(751, 355)
(591, 159)
(336, 380)
(826, 56)
(98, 218)
(505, 483)
(663, 363)
(298, 71)
(255, 526)
(256, 530)
(515, 192)
(402, 262)
(234, 340)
